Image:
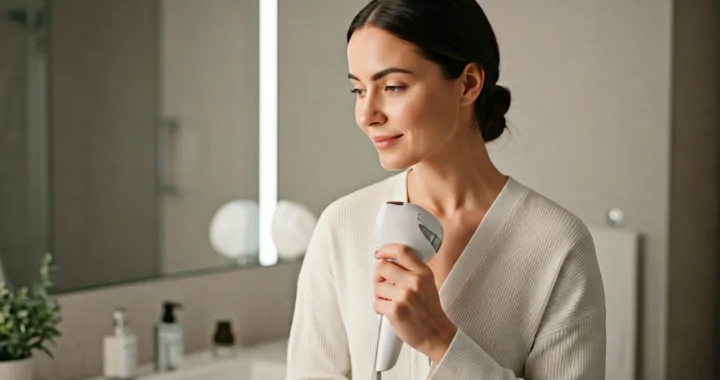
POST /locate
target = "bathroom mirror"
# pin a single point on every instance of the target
(128, 129)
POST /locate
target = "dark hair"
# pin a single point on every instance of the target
(451, 33)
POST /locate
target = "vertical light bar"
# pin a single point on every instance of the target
(268, 127)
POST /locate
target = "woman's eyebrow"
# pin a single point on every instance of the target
(380, 74)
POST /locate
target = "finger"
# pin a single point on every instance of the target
(387, 291)
(398, 276)
(393, 311)
(383, 307)
(402, 255)
(390, 272)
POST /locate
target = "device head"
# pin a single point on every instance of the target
(409, 224)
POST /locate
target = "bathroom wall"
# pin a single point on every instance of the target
(591, 127)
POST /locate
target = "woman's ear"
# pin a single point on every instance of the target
(472, 79)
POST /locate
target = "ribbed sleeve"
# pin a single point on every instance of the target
(318, 347)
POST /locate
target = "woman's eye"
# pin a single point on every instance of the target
(361, 92)
(394, 88)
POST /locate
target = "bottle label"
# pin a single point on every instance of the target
(127, 366)
(174, 349)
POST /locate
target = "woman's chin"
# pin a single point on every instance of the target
(395, 162)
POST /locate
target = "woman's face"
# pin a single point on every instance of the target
(404, 104)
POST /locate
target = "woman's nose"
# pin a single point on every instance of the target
(371, 113)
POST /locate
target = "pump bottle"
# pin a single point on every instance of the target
(169, 345)
(120, 350)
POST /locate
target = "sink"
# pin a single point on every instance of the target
(267, 370)
(221, 370)
(233, 369)
(265, 361)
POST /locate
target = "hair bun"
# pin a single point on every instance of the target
(496, 106)
(500, 98)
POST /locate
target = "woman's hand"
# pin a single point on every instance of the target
(406, 294)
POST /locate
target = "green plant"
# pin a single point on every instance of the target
(29, 319)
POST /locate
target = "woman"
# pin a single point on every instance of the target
(515, 291)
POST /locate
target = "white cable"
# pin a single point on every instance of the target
(378, 374)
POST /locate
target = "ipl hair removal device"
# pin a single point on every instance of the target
(413, 226)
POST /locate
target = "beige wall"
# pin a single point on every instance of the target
(591, 124)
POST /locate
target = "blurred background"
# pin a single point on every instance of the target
(129, 149)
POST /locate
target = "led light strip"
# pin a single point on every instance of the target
(268, 128)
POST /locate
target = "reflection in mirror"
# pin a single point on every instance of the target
(234, 231)
(129, 124)
(209, 82)
(292, 228)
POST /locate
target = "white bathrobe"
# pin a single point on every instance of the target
(526, 295)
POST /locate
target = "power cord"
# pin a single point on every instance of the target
(378, 374)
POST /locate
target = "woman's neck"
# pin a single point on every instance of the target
(459, 180)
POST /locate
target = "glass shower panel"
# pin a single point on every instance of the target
(104, 85)
(24, 133)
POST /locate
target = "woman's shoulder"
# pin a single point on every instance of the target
(556, 245)
(548, 218)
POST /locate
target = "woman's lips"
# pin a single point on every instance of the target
(384, 142)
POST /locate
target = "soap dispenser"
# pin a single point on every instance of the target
(169, 345)
(120, 358)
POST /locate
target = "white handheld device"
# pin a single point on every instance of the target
(410, 225)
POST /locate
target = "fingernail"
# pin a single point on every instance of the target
(376, 252)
